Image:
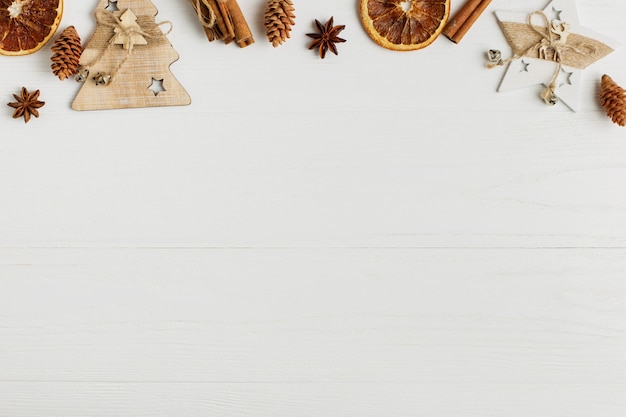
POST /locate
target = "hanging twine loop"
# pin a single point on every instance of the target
(551, 46)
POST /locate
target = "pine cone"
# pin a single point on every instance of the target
(279, 18)
(613, 99)
(66, 50)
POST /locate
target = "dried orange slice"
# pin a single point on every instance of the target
(27, 25)
(404, 25)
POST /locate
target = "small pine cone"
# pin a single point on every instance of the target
(613, 99)
(279, 18)
(67, 50)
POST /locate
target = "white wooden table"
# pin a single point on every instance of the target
(373, 234)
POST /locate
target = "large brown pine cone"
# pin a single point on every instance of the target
(66, 50)
(613, 99)
(279, 18)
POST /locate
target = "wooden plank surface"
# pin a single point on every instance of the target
(389, 187)
(315, 399)
(374, 234)
(282, 149)
(312, 332)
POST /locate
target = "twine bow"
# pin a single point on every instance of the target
(554, 39)
(553, 46)
(127, 32)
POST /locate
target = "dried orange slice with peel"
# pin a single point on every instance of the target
(27, 25)
(404, 25)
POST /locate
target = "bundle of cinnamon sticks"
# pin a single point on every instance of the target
(465, 18)
(223, 20)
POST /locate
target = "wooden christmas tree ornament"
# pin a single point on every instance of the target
(126, 62)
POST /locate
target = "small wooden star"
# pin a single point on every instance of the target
(326, 38)
(128, 32)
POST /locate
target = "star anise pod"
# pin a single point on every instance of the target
(327, 37)
(26, 104)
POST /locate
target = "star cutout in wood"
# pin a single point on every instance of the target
(578, 46)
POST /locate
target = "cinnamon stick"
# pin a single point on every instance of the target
(226, 27)
(243, 35)
(464, 19)
(229, 23)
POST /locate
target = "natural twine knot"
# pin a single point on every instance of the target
(207, 19)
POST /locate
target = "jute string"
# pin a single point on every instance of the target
(105, 36)
(206, 21)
